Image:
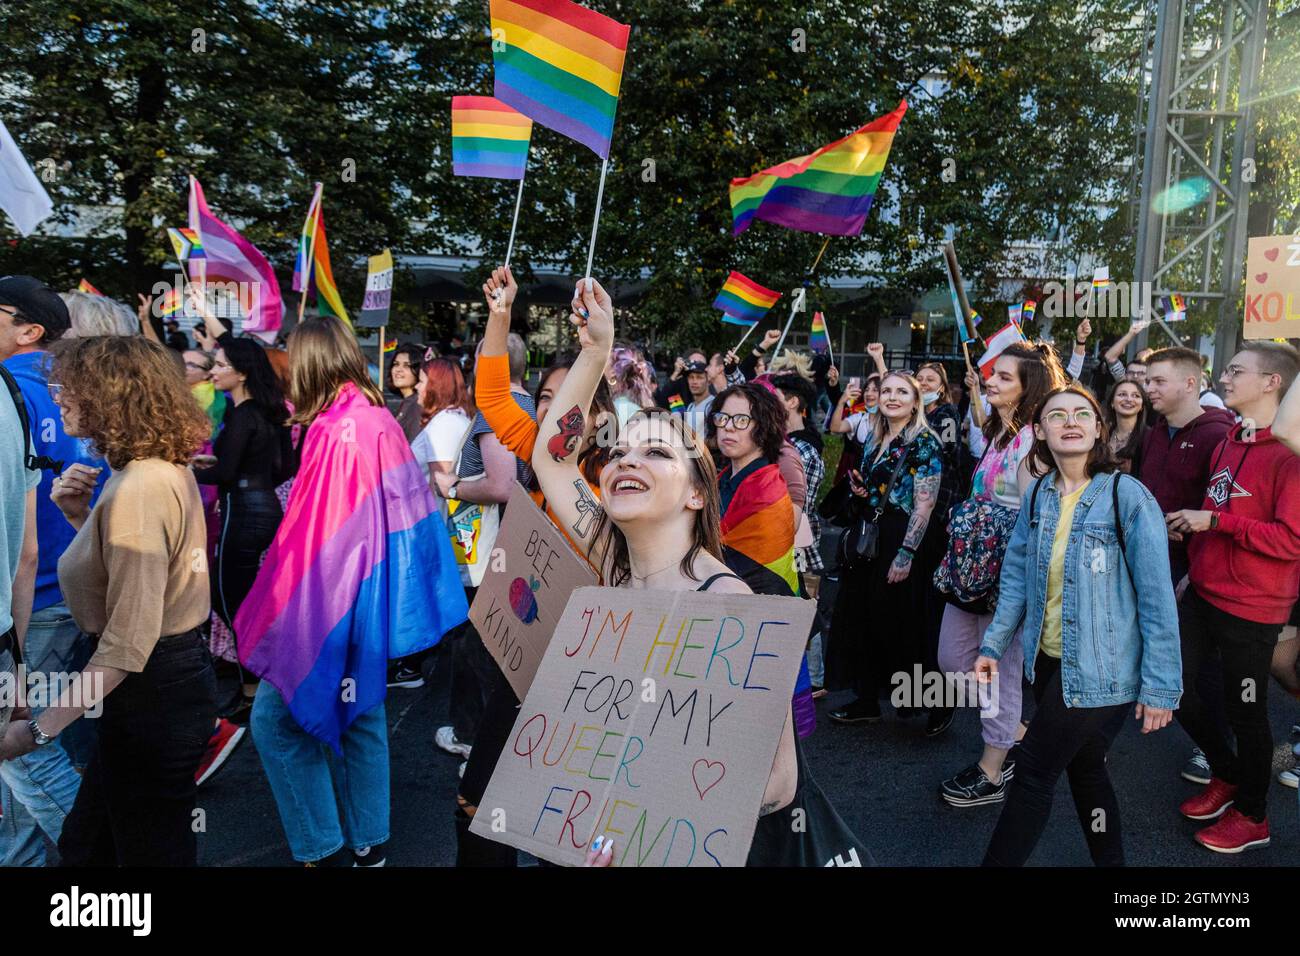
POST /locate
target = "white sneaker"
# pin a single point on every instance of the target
(446, 739)
(1290, 778)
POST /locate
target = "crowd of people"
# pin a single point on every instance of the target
(1067, 558)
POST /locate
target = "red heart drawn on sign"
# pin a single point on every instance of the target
(1261, 277)
(1271, 254)
(708, 770)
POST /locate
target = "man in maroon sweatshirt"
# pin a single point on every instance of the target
(1244, 576)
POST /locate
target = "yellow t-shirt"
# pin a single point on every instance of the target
(1049, 642)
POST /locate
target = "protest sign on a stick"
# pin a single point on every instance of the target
(653, 719)
(523, 593)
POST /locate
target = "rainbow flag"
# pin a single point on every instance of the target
(360, 571)
(1027, 311)
(743, 301)
(974, 319)
(171, 302)
(819, 339)
(390, 346)
(561, 65)
(1175, 308)
(86, 287)
(675, 403)
(488, 138)
(232, 260)
(829, 191)
(312, 267)
(1101, 278)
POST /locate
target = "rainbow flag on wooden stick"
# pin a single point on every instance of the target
(560, 64)
(313, 264)
(743, 301)
(829, 191)
(819, 339)
(488, 138)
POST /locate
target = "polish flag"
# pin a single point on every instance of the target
(996, 344)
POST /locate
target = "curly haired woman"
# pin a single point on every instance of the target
(135, 578)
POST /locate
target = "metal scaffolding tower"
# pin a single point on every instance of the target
(1198, 153)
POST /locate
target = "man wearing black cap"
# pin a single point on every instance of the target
(38, 789)
(697, 385)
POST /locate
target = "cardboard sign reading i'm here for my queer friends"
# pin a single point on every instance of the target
(529, 579)
(653, 719)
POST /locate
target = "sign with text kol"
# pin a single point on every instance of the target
(529, 579)
(1272, 288)
(653, 719)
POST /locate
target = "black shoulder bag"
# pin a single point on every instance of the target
(860, 541)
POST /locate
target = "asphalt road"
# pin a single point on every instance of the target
(882, 778)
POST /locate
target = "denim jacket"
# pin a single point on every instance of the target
(1119, 625)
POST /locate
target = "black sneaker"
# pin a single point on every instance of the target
(370, 857)
(1008, 770)
(972, 788)
(340, 857)
(403, 676)
(939, 721)
(858, 712)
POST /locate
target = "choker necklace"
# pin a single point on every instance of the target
(643, 577)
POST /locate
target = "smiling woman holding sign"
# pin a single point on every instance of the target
(659, 526)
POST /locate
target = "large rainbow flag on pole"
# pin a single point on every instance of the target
(560, 64)
(360, 572)
(312, 267)
(231, 259)
(488, 138)
(743, 301)
(829, 191)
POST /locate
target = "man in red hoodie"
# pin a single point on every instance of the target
(1244, 576)
(1176, 460)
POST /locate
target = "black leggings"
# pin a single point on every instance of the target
(249, 520)
(1246, 651)
(135, 806)
(1073, 740)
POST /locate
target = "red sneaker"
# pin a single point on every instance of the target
(1210, 802)
(225, 738)
(1233, 833)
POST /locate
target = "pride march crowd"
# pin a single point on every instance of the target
(254, 535)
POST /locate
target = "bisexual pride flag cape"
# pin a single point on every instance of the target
(360, 572)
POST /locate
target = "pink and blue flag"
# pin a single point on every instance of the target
(360, 573)
(228, 258)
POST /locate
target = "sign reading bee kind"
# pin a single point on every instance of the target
(1272, 293)
(532, 572)
(653, 719)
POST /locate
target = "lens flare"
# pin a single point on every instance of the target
(1182, 195)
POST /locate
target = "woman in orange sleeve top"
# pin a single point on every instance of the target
(517, 431)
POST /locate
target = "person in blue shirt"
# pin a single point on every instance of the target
(37, 790)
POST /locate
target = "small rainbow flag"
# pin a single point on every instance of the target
(560, 64)
(390, 346)
(171, 302)
(743, 301)
(313, 264)
(819, 339)
(488, 138)
(973, 319)
(675, 403)
(1028, 310)
(1175, 308)
(85, 286)
(1101, 278)
(828, 191)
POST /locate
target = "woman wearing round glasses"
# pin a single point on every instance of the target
(1086, 573)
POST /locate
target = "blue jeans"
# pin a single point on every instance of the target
(38, 790)
(325, 801)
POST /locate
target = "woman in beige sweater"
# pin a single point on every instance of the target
(136, 579)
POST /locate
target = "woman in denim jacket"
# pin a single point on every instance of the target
(1100, 627)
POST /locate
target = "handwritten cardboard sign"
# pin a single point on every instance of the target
(654, 719)
(532, 572)
(379, 292)
(1272, 289)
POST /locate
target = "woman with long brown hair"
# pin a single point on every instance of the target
(1128, 415)
(979, 530)
(136, 578)
(445, 412)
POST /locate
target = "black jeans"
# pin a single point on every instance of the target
(249, 520)
(474, 674)
(136, 802)
(1073, 740)
(1246, 651)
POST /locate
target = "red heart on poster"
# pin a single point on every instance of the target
(1271, 254)
(1261, 277)
(708, 770)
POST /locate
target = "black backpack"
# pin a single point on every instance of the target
(32, 462)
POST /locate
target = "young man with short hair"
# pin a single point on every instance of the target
(1244, 577)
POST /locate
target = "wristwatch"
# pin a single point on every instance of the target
(451, 492)
(38, 735)
(1214, 521)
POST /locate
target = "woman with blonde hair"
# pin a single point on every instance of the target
(895, 487)
(136, 577)
(360, 573)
